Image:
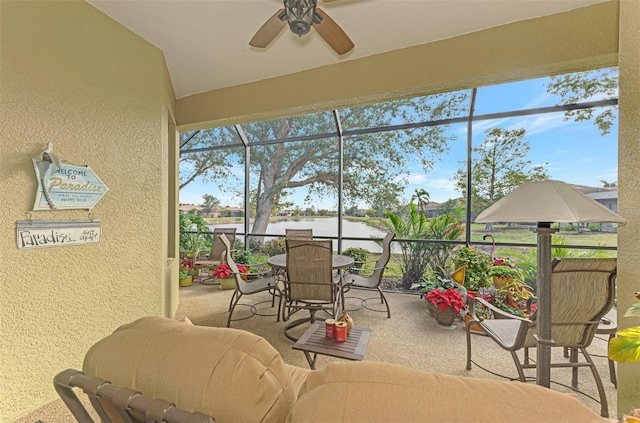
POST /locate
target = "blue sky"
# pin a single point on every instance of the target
(576, 152)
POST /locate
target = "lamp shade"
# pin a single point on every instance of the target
(547, 201)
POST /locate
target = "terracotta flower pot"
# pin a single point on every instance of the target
(444, 317)
(500, 281)
(474, 326)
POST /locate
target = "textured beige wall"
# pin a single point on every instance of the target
(629, 191)
(71, 76)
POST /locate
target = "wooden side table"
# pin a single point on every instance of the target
(314, 342)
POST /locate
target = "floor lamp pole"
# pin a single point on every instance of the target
(543, 332)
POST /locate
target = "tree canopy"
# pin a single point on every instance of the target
(499, 166)
(587, 86)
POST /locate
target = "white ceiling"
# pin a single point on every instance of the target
(205, 42)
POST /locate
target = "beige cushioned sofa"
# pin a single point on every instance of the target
(237, 376)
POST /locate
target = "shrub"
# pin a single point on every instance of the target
(527, 261)
(359, 255)
(420, 257)
(274, 247)
(242, 256)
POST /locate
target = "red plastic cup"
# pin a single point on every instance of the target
(330, 328)
(341, 331)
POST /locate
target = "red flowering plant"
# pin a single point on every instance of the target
(186, 268)
(449, 298)
(223, 270)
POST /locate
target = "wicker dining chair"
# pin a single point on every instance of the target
(215, 256)
(306, 234)
(582, 293)
(373, 280)
(263, 282)
(309, 283)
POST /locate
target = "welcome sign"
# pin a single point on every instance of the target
(68, 187)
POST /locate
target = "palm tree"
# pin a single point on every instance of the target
(422, 197)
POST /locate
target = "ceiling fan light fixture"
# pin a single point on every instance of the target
(300, 15)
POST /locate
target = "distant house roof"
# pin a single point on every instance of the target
(608, 195)
(186, 208)
(588, 190)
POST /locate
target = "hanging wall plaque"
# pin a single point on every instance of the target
(57, 233)
(65, 187)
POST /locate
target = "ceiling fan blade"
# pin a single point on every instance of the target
(268, 31)
(333, 34)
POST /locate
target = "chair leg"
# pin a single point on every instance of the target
(573, 358)
(612, 366)
(279, 302)
(383, 299)
(232, 306)
(518, 366)
(467, 329)
(235, 293)
(604, 407)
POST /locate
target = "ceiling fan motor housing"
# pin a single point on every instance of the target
(300, 15)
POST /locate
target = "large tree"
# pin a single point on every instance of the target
(374, 162)
(592, 85)
(499, 166)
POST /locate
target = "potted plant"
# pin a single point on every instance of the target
(438, 282)
(504, 271)
(446, 304)
(186, 272)
(223, 273)
(477, 265)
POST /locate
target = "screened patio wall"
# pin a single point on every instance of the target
(582, 39)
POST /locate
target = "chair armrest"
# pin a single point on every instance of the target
(124, 400)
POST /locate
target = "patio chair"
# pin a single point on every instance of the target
(215, 256)
(373, 280)
(309, 284)
(582, 293)
(264, 282)
(115, 404)
(298, 234)
(608, 326)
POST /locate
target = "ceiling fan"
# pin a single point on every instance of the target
(301, 15)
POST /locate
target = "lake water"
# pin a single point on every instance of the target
(324, 226)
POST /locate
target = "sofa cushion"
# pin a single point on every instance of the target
(231, 374)
(381, 392)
